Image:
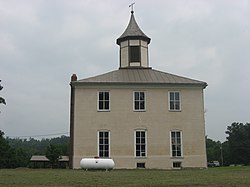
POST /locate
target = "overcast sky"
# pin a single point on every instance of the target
(43, 42)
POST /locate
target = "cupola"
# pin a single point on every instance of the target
(133, 46)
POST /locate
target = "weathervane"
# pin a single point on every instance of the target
(132, 7)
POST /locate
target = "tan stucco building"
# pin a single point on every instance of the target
(138, 116)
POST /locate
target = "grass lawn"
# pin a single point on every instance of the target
(223, 176)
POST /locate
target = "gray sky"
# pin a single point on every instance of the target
(43, 42)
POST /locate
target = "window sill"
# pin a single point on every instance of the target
(103, 110)
(177, 157)
(139, 110)
(174, 110)
(143, 157)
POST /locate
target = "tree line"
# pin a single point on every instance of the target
(17, 152)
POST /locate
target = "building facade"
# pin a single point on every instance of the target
(138, 116)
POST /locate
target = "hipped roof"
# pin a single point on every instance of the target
(140, 76)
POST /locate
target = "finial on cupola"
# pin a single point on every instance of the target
(132, 7)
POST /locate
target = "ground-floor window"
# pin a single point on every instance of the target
(176, 144)
(103, 143)
(176, 165)
(140, 165)
(140, 143)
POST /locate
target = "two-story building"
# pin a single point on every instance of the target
(138, 116)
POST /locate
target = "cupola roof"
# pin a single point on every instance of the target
(133, 31)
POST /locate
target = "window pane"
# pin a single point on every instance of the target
(136, 96)
(143, 134)
(138, 153)
(138, 140)
(177, 105)
(106, 134)
(138, 133)
(178, 153)
(143, 148)
(178, 134)
(106, 105)
(171, 105)
(142, 96)
(100, 141)
(142, 105)
(100, 134)
(173, 153)
(143, 140)
(106, 96)
(177, 96)
(106, 154)
(100, 105)
(171, 96)
(137, 105)
(100, 96)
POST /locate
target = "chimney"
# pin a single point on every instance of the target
(73, 77)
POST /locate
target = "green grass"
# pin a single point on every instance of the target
(224, 176)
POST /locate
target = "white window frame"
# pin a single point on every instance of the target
(98, 99)
(171, 150)
(139, 110)
(146, 143)
(169, 100)
(98, 143)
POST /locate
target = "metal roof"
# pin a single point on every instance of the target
(142, 76)
(133, 31)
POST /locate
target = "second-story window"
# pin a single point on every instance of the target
(103, 101)
(174, 101)
(139, 101)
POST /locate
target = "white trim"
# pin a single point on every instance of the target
(146, 143)
(174, 110)
(102, 110)
(145, 101)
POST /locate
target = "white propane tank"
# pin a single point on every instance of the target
(97, 163)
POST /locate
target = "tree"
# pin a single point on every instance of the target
(9, 156)
(2, 100)
(239, 143)
(213, 150)
(53, 153)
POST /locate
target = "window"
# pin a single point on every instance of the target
(140, 165)
(140, 143)
(103, 101)
(103, 140)
(134, 53)
(139, 101)
(174, 101)
(176, 143)
(177, 165)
